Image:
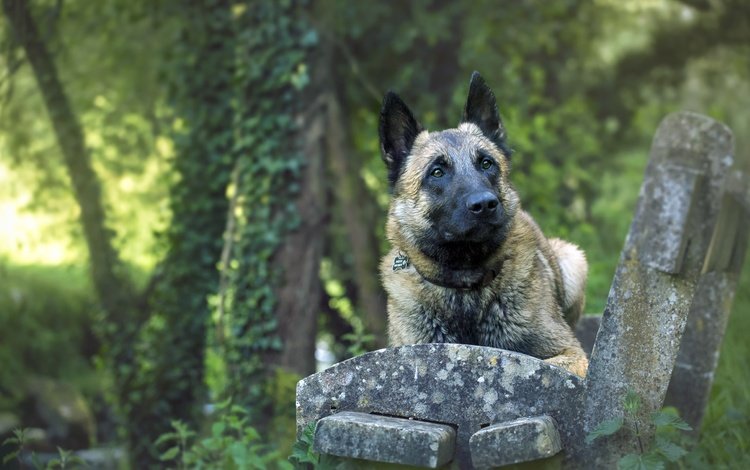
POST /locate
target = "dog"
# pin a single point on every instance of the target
(467, 265)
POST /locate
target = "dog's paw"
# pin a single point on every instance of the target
(572, 361)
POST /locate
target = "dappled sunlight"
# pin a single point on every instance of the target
(28, 237)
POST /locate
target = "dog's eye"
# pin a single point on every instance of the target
(486, 164)
(437, 172)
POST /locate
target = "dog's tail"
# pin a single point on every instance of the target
(574, 269)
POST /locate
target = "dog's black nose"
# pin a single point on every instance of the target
(483, 203)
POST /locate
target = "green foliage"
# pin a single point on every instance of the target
(46, 317)
(273, 41)
(605, 428)
(725, 431)
(281, 387)
(65, 458)
(666, 446)
(18, 440)
(302, 451)
(231, 443)
(166, 374)
(303, 455)
(358, 342)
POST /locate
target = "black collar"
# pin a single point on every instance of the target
(452, 279)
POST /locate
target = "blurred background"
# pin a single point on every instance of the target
(192, 197)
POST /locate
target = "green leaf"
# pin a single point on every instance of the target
(632, 402)
(669, 450)
(36, 461)
(630, 462)
(310, 38)
(251, 434)
(302, 453)
(282, 465)
(239, 453)
(10, 456)
(217, 429)
(223, 405)
(168, 436)
(606, 428)
(77, 460)
(239, 410)
(640, 462)
(670, 419)
(170, 454)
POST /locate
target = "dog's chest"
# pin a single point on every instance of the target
(467, 318)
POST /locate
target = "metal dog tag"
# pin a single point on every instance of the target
(400, 262)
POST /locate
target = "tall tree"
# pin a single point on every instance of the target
(200, 73)
(155, 349)
(115, 291)
(272, 285)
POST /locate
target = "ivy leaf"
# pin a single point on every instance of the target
(310, 38)
(605, 428)
(669, 450)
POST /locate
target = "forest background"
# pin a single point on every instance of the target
(192, 198)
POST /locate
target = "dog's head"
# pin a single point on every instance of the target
(451, 197)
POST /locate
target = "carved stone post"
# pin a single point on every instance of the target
(660, 268)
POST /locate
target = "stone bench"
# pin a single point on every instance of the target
(431, 405)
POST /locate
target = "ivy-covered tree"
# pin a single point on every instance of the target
(173, 344)
(275, 237)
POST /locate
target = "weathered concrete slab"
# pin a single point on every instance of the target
(468, 387)
(516, 441)
(690, 386)
(385, 439)
(657, 276)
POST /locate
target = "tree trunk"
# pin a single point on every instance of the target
(113, 288)
(270, 285)
(172, 387)
(299, 256)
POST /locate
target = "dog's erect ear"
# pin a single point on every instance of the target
(398, 129)
(481, 109)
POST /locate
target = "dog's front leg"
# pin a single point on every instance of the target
(571, 359)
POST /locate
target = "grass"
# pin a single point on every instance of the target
(46, 317)
(725, 434)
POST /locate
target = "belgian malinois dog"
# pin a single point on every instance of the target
(467, 265)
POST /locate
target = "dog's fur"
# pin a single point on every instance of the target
(467, 264)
